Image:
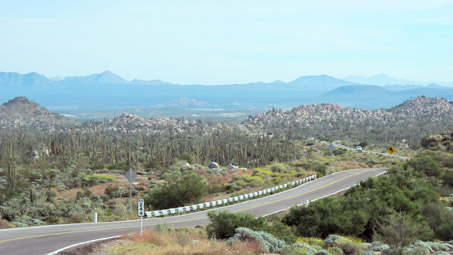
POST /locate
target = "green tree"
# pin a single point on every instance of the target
(178, 189)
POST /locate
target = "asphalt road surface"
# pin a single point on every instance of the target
(338, 145)
(47, 239)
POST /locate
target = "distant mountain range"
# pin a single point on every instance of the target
(386, 80)
(106, 91)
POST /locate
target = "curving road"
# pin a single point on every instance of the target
(337, 144)
(46, 239)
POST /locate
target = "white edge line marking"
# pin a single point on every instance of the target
(113, 237)
(82, 243)
(338, 191)
(195, 212)
(252, 200)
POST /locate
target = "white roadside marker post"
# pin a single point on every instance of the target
(141, 213)
(95, 217)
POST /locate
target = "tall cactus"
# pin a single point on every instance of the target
(11, 165)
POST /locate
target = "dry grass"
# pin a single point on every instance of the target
(99, 189)
(178, 242)
(345, 165)
(4, 224)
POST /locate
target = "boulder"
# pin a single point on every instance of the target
(213, 165)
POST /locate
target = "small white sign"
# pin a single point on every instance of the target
(141, 207)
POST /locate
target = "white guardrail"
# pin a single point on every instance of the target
(221, 202)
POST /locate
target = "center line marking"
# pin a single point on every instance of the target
(173, 222)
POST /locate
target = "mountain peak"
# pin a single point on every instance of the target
(104, 77)
(320, 82)
(108, 77)
(19, 101)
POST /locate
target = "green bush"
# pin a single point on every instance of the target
(339, 151)
(426, 164)
(445, 231)
(301, 248)
(267, 242)
(447, 178)
(398, 230)
(224, 224)
(356, 213)
(179, 188)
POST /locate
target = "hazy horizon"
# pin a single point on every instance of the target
(227, 42)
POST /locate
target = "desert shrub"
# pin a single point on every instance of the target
(336, 251)
(311, 241)
(425, 164)
(378, 246)
(339, 151)
(445, 231)
(421, 246)
(75, 219)
(348, 247)
(439, 218)
(319, 168)
(120, 211)
(224, 224)
(447, 178)
(331, 240)
(4, 224)
(266, 241)
(116, 192)
(180, 188)
(438, 246)
(367, 253)
(282, 232)
(398, 230)
(302, 248)
(19, 224)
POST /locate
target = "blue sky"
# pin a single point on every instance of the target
(234, 41)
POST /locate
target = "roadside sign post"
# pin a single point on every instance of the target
(130, 176)
(141, 213)
(391, 150)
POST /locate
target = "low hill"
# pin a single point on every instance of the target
(404, 124)
(21, 111)
(375, 97)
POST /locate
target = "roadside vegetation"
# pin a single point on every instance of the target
(40, 192)
(407, 211)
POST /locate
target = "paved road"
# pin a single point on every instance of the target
(46, 239)
(338, 145)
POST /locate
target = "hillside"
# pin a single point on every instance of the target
(21, 111)
(404, 124)
(130, 123)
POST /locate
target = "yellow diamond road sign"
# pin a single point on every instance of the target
(391, 150)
